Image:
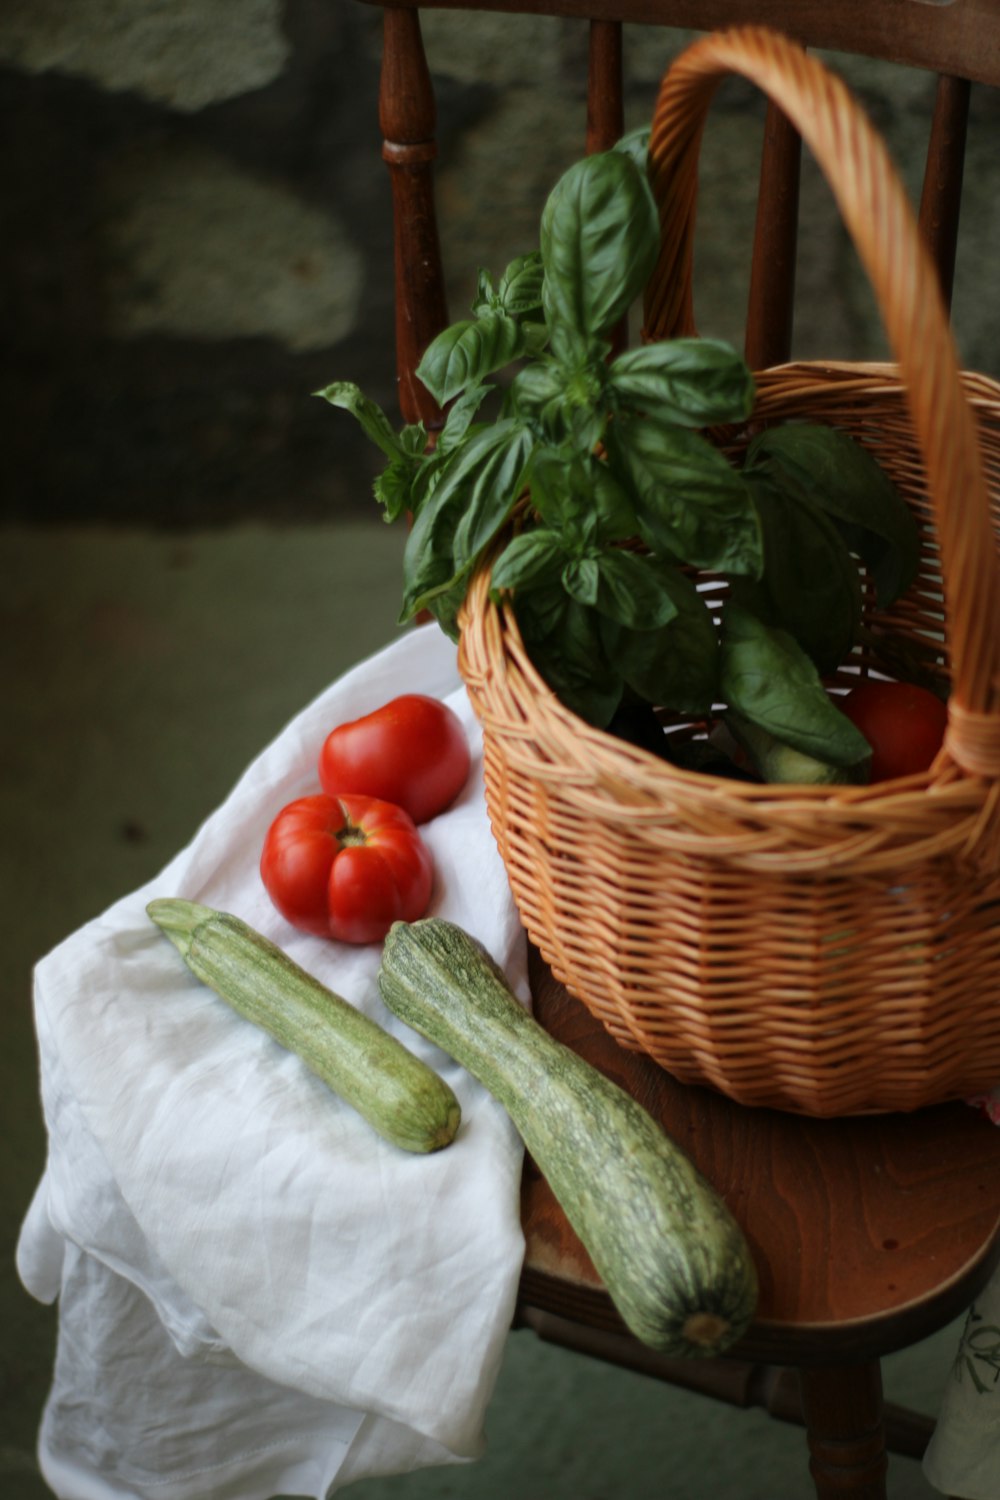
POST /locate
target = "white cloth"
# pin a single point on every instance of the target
(963, 1458)
(257, 1295)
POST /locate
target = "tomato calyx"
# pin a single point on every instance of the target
(350, 836)
(346, 867)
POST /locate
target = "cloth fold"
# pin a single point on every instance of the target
(253, 1284)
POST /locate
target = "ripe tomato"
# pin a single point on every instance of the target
(903, 724)
(412, 751)
(346, 867)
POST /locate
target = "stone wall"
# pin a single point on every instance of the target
(198, 234)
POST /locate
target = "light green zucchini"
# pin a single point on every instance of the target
(401, 1097)
(673, 1259)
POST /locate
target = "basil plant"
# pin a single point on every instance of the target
(630, 501)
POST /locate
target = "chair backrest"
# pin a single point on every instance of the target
(959, 40)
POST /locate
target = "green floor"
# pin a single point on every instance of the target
(139, 673)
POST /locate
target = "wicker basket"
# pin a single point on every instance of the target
(823, 950)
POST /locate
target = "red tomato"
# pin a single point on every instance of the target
(903, 724)
(412, 751)
(346, 867)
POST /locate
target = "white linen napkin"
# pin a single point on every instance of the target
(963, 1457)
(257, 1295)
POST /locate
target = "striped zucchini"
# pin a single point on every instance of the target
(673, 1259)
(401, 1097)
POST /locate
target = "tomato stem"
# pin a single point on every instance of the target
(349, 835)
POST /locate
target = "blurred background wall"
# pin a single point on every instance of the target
(197, 235)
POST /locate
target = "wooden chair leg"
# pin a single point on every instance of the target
(843, 1411)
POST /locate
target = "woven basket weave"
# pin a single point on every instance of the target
(823, 950)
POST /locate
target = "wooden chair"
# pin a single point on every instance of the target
(869, 1233)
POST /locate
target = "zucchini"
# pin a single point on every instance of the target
(672, 1258)
(401, 1097)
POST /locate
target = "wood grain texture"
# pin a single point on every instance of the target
(941, 195)
(868, 1233)
(962, 38)
(407, 116)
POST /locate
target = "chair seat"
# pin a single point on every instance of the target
(894, 1219)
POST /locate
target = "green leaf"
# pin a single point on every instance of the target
(467, 352)
(445, 605)
(577, 495)
(767, 678)
(633, 589)
(535, 336)
(599, 240)
(537, 393)
(635, 143)
(376, 425)
(565, 642)
(846, 481)
(460, 417)
(520, 289)
(490, 469)
(777, 762)
(676, 665)
(428, 557)
(563, 401)
(413, 439)
(474, 492)
(561, 492)
(532, 560)
(393, 488)
(612, 503)
(691, 382)
(486, 293)
(690, 502)
(810, 586)
(582, 579)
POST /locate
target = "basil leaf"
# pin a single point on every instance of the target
(633, 590)
(810, 586)
(486, 293)
(520, 289)
(775, 761)
(846, 481)
(413, 439)
(676, 665)
(564, 640)
(489, 468)
(582, 579)
(428, 557)
(460, 417)
(563, 400)
(536, 394)
(531, 560)
(445, 606)
(465, 353)
(579, 496)
(689, 501)
(599, 240)
(470, 481)
(766, 677)
(613, 509)
(690, 382)
(376, 425)
(635, 143)
(560, 492)
(393, 488)
(534, 336)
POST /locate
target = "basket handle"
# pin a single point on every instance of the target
(878, 214)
